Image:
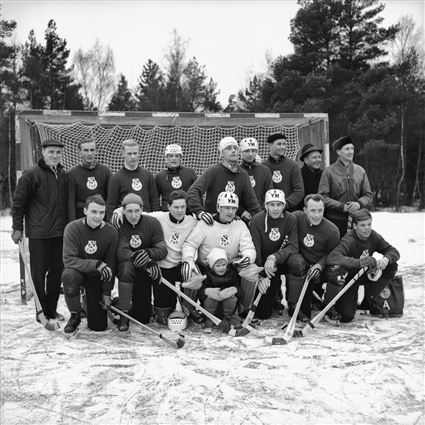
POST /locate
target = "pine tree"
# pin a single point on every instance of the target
(149, 92)
(122, 99)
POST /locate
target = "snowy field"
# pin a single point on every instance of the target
(370, 371)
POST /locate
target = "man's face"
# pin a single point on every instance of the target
(346, 152)
(275, 208)
(220, 267)
(249, 155)
(227, 214)
(313, 160)
(314, 211)
(278, 148)
(230, 153)
(52, 155)
(363, 228)
(173, 160)
(88, 153)
(178, 209)
(95, 213)
(131, 156)
(133, 213)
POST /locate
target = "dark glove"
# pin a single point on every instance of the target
(105, 272)
(141, 259)
(16, 235)
(242, 263)
(154, 271)
(369, 262)
(207, 217)
(314, 272)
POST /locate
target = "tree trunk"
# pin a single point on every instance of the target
(416, 194)
(402, 158)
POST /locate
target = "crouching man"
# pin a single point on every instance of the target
(89, 250)
(354, 252)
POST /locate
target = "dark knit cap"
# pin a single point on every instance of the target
(52, 142)
(275, 136)
(342, 141)
(132, 198)
(307, 149)
(361, 215)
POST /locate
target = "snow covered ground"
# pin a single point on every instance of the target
(370, 371)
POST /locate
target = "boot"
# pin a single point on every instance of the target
(73, 323)
(333, 317)
(123, 324)
(161, 314)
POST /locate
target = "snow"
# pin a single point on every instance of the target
(370, 371)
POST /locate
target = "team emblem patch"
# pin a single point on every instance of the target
(251, 178)
(274, 234)
(135, 241)
(230, 186)
(136, 184)
(224, 240)
(174, 238)
(176, 182)
(91, 183)
(277, 176)
(308, 240)
(91, 247)
(385, 294)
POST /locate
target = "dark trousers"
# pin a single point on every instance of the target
(73, 280)
(163, 296)
(46, 270)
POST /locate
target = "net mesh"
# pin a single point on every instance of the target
(199, 143)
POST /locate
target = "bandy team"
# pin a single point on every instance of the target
(238, 218)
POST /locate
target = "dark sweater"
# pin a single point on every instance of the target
(229, 279)
(261, 179)
(311, 179)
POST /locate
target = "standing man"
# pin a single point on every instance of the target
(175, 176)
(345, 186)
(89, 250)
(317, 237)
(286, 174)
(141, 245)
(132, 178)
(259, 175)
(86, 179)
(310, 171)
(41, 198)
(274, 232)
(226, 176)
(354, 252)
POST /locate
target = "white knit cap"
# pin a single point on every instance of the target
(275, 195)
(227, 141)
(215, 255)
(248, 143)
(173, 149)
(228, 199)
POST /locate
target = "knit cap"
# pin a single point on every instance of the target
(227, 141)
(132, 198)
(215, 255)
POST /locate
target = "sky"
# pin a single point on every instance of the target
(231, 38)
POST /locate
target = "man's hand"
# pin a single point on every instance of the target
(314, 271)
(270, 266)
(352, 206)
(117, 217)
(242, 262)
(106, 302)
(383, 263)
(369, 262)
(213, 293)
(154, 271)
(263, 284)
(105, 272)
(228, 292)
(141, 259)
(207, 217)
(16, 235)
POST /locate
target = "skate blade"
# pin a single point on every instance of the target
(332, 322)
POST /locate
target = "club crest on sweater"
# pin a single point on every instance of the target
(230, 186)
(176, 182)
(135, 241)
(308, 240)
(224, 240)
(251, 178)
(91, 183)
(385, 294)
(91, 247)
(274, 234)
(174, 238)
(136, 184)
(277, 176)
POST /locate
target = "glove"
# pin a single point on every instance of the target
(117, 217)
(141, 259)
(242, 262)
(213, 293)
(105, 272)
(154, 271)
(352, 206)
(369, 262)
(106, 302)
(263, 285)
(188, 268)
(207, 217)
(16, 235)
(383, 263)
(314, 272)
(246, 217)
(270, 266)
(228, 292)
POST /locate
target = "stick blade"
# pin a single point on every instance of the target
(276, 341)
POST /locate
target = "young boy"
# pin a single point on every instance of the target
(221, 286)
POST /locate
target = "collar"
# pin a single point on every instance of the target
(89, 167)
(42, 163)
(309, 170)
(230, 167)
(248, 165)
(217, 219)
(343, 164)
(280, 159)
(128, 169)
(174, 220)
(93, 228)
